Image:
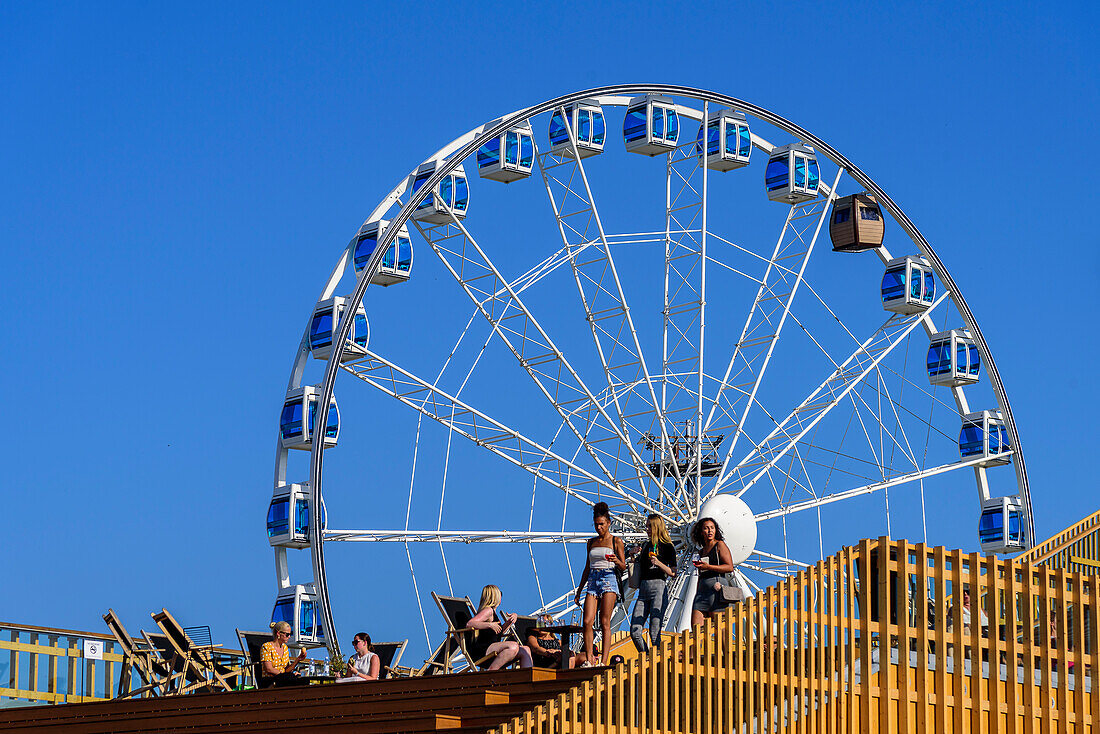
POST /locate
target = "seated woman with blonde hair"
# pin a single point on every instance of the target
(276, 667)
(486, 640)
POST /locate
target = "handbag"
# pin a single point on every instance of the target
(730, 591)
(634, 575)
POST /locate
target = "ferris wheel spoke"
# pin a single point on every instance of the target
(821, 401)
(513, 322)
(905, 380)
(598, 286)
(865, 489)
(768, 314)
(684, 298)
(466, 536)
(490, 434)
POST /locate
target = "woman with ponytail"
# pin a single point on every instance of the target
(276, 667)
(600, 581)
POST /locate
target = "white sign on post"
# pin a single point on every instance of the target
(93, 649)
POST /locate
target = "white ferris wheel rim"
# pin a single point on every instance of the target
(457, 151)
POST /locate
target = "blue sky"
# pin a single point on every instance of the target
(178, 181)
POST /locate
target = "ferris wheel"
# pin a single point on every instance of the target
(680, 304)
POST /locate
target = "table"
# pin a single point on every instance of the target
(312, 679)
(565, 631)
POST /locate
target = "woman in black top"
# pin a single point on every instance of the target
(658, 560)
(488, 632)
(714, 561)
(544, 646)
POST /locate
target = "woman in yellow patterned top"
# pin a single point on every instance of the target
(276, 667)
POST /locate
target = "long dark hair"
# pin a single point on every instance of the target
(697, 531)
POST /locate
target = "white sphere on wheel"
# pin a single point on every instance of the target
(736, 522)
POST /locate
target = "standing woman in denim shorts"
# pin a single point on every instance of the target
(600, 581)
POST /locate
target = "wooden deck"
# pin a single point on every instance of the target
(462, 703)
(871, 639)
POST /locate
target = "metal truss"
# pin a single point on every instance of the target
(749, 362)
(820, 402)
(465, 537)
(599, 288)
(488, 433)
(499, 302)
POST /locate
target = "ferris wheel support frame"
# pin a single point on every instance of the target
(460, 149)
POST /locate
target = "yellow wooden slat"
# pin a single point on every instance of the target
(47, 649)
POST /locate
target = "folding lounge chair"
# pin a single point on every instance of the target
(154, 674)
(522, 626)
(251, 642)
(182, 678)
(199, 662)
(389, 656)
(458, 611)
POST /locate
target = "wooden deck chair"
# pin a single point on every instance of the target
(389, 656)
(439, 661)
(199, 661)
(154, 674)
(522, 626)
(181, 678)
(251, 642)
(458, 611)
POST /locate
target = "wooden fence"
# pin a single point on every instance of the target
(872, 639)
(46, 665)
(1077, 548)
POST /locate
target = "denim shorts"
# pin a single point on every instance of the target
(602, 581)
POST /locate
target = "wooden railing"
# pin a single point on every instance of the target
(46, 665)
(864, 641)
(1077, 548)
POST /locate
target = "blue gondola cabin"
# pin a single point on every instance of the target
(508, 157)
(297, 423)
(729, 140)
(299, 606)
(449, 200)
(323, 326)
(792, 174)
(585, 119)
(856, 224)
(984, 436)
(396, 264)
(651, 125)
(908, 286)
(288, 516)
(1002, 528)
(953, 359)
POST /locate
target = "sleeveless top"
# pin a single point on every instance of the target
(713, 559)
(596, 560)
(362, 664)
